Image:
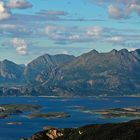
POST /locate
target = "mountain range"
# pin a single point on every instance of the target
(115, 73)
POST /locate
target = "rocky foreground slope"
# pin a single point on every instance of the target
(120, 131)
(115, 73)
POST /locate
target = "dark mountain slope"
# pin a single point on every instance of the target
(44, 67)
(94, 73)
(10, 72)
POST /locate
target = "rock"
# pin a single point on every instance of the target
(54, 133)
(49, 134)
(2, 109)
(14, 123)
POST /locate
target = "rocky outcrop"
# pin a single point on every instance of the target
(120, 131)
(47, 134)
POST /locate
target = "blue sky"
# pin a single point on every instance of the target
(29, 28)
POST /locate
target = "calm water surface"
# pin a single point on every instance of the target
(78, 118)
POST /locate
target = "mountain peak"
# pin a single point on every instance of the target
(91, 52)
(123, 51)
(6, 61)
(114, 51)
(94, 51)
(137, 51)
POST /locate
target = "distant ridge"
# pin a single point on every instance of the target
(116, 73)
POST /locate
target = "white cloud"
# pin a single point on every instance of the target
(56, 32)
(7, 26)
(115, 39)
(116, 12)
(20, 45)
(65, 52)
(4, 12)
(120, 9)
(103, 2)
(74, 37)
(69, 35)
(134, 8)
(20, 4)
(62, 34)
(51, 29)
(95, 31)
(131, 49)
(52, 13)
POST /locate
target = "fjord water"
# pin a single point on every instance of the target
(78, 118)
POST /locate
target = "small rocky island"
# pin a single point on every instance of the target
(49, 115)
(120, 131)
(112, 112)
(7, 110)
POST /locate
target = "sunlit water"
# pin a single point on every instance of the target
(78, 118)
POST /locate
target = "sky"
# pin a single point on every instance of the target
(30, 28)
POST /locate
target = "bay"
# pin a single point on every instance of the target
(61, 104)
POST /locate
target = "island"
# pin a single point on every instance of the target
(14, 123)
(112, 112)
(7, 110)
(49, 115)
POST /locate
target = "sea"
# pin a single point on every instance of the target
(61, 104)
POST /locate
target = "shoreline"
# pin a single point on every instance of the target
(71, 96)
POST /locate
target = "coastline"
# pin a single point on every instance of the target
(129, 96)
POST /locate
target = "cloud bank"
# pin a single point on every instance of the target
(119, 9)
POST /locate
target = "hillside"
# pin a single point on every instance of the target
(120, 131)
